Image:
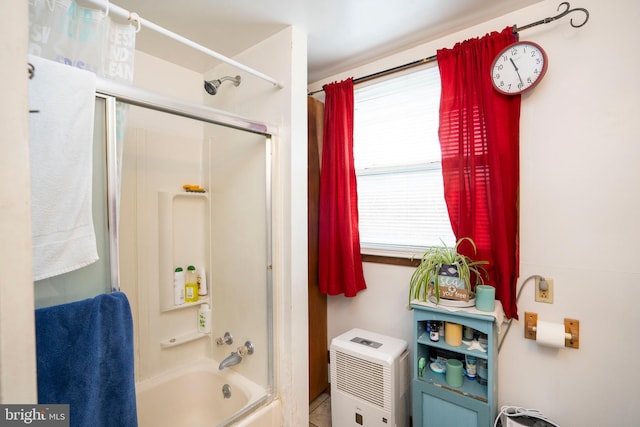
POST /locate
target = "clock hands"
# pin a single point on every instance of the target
(517, 72)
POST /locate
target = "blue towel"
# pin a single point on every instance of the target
(85, 359)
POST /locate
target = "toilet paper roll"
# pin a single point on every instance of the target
(550, 334)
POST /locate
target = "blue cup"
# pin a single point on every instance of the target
(453, 375)
(485, 298)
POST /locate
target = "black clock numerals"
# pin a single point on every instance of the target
(503, 87)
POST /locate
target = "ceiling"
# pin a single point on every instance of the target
(342, 34)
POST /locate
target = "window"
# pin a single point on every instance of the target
(398, 166)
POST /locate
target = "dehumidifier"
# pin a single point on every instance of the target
(369, 380)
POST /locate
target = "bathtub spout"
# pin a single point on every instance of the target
(232, 359)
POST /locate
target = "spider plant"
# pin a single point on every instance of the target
(427, 273)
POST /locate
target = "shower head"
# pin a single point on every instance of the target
(211, 86)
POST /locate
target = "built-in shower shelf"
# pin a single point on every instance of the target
(182, 339)
(202, 300)
(184, 239)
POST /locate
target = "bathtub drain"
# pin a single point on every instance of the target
(226, 391)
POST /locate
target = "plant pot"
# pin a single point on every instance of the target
(449, 270)
(450, 285)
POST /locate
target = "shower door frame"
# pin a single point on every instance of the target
(113, 197)
(114, 92)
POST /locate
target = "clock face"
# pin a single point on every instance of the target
(518, 68)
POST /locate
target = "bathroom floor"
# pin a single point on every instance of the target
(320, 411)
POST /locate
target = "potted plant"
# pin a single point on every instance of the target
(445, 273)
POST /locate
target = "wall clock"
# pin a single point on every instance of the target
(518, 68)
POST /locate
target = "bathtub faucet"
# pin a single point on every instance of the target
(231, 360)
(236, 357)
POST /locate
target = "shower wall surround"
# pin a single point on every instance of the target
(160, 231)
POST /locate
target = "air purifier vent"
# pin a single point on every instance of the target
(363, 379)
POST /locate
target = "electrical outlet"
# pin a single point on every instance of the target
(544, 296)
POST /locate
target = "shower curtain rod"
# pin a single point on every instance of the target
(111, 8)
(432, 58)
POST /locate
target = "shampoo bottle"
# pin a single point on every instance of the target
(178, 286)
(202, 282)
(204, 318)
(191, 285)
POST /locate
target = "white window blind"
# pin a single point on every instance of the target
(398, 164)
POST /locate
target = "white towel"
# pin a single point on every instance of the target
(61, 153)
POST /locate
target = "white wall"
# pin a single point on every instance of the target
(17, 342)
(579, 199)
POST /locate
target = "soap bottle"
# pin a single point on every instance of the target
(178, 286)
(191, 285)
(202, 282)
(204, 318)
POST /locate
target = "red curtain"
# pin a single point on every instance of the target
(339, 259)
(479, 139)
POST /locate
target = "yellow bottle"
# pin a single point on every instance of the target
(191, 285)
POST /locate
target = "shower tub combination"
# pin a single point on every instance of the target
(183, 386)
(196, 396)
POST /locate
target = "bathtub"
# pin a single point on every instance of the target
(193, 397)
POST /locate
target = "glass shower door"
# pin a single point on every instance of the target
(99, 277)
(226, 230)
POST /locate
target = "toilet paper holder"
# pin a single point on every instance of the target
(571, 329)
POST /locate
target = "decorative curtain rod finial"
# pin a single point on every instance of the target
(568, 10)
(562, 14)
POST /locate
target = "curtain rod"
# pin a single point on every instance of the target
(433, 58)
(111, 8)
